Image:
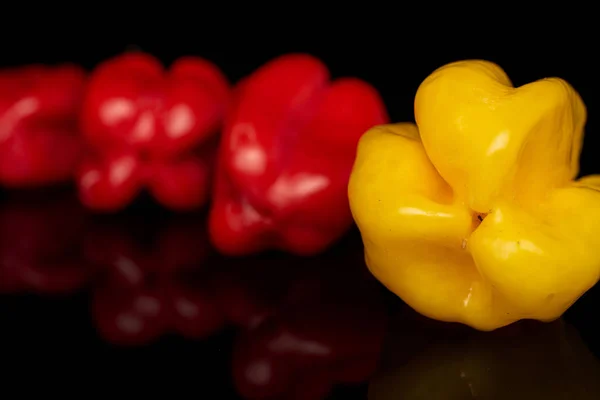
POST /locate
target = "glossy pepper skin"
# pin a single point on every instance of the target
(40, 144)
(474, 215)
(151, 129)
(285, 158)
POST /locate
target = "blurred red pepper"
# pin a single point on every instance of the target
(287, 150)
(302, 330)
(154, 280)
(39, 137)
(40, 239)
(151, 129)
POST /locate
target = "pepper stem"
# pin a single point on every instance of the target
(478, 219)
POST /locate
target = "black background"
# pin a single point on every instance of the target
(395, 56)
(394, 51)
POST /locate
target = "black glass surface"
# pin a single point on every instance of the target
(141, 299)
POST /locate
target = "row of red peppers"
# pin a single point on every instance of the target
(271, 155)
(299, 332)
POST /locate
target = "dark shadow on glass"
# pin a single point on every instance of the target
(40, 243)
(149, 283)
(424, 359)
(153, 278)
(306, 324)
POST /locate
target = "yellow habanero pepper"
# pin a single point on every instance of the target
(474, 214)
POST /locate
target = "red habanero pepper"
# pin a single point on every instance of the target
(151, 129)
(40, 143)
(285, 158)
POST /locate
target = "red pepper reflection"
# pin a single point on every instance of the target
(307, 324)
(40, 234)
(154, 279)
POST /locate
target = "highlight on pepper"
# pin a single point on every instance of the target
(151, 128)
(40, 144)
(474, 215)
(287, 149)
